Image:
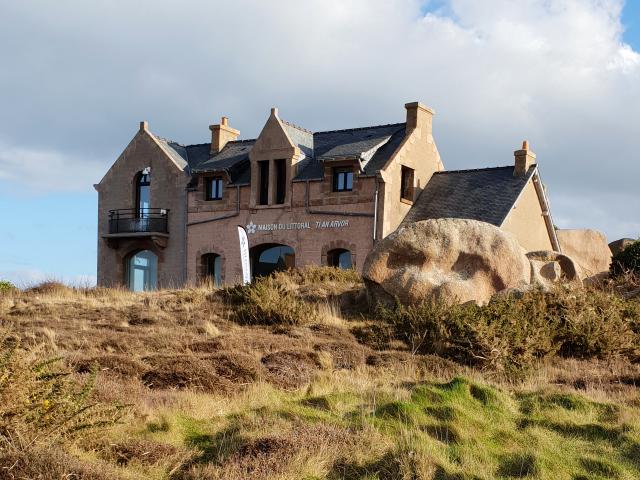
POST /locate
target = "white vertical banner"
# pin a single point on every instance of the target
(244, 255)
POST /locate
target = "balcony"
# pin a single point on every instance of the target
(133, 220)
(130, 223)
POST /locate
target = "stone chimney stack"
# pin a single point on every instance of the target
(525, 158)
(419, 116)
(221, 134)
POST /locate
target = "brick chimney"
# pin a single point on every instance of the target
(525, 158)
(221, 134)
(419, 116)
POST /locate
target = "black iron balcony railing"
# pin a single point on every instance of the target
(135, 220)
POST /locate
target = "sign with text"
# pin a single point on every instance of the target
(315, 225)
(244, 255)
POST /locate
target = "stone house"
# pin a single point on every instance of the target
(167, 213)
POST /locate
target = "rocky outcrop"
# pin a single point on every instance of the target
(453, 260)
(618, 246)
(588, 248)
(549, 268)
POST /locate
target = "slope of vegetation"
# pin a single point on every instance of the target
(297, 377)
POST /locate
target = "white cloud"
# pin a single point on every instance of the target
(45, 171)
(554, 71)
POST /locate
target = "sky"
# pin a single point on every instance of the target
(76, 78)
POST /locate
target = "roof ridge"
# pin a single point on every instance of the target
(465, 170)
(296, 126)
(363, 128)
(167, 140)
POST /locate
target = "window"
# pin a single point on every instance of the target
(142, 271)
(270, 257)
(342, 179)
(340, 258)
(281, 180)
(143, 193)
(212, 267)
(263, 182)
(406, 192)
(214, 188)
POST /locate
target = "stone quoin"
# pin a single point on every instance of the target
(168, 213)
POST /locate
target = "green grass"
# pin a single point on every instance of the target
(455, 430)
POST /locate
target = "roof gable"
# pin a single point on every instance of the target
(486, 194)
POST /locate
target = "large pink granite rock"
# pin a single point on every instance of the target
(453, 260)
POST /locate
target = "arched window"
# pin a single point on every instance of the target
(143, 193)
(212, 267)
(271, 257)
(339, 257)
(142, 271)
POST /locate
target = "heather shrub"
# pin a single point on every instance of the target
(628, 260)
(268, 301)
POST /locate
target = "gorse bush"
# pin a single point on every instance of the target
(6, 286)
(268, 301)
(41, 404)
(628, 260)
(512, 333)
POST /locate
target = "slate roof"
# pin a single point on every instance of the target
(372, 146)
(177, 152)
(485, 194)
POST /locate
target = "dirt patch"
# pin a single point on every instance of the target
(122, 365)
(291, 369)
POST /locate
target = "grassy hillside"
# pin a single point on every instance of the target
(297, 378)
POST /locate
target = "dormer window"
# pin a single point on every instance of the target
(342, 179)
(213, 190)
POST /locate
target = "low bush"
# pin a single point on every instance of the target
(512, 333)
(6, 286)
(268, 301)
(41, 405)
(627, 261)
(310, 275)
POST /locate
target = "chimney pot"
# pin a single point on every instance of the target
(524, 159)
(144, 126)
(419, 116)
(221, 134)
(274, 111)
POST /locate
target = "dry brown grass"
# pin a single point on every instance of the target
(213, 398)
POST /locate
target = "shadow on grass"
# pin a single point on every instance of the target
(386, 467)
(518, 466)
(215, 448)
